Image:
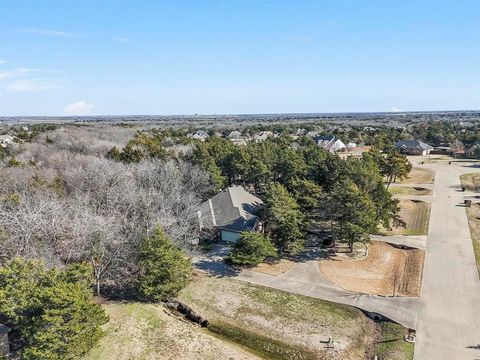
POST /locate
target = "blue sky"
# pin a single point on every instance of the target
(237, 56)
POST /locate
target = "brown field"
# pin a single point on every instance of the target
(274, 268)
(148, 331)
(419, 176)
(416, 215)
(386, 270)
(471, 181)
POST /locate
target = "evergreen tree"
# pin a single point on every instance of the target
(49, 311)
(283, 219)
(164, 268)
(352, 213)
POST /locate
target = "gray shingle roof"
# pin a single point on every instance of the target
(412, 144)
(232, 209)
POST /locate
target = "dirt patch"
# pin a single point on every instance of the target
(419, 176)
(416, 215)
(386, 271)
(274, 268)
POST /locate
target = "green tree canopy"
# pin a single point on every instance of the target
(283, 219)
(49, 311)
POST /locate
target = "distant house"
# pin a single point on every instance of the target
(4, 346)
(263, 135)
(301, 132)
(413, 147)
(5, 140)
(200, 135)
(330, 143)
(351, 145)
(234, 135)
(232, 211)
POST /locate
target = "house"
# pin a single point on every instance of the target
(200, 135)
(351, 145)
(330, 143)
(231, 211)
(4, 346)
(263, 135)
(5, 140)
(413, 147)
(234, 135)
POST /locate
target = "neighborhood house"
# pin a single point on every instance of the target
(330, 143)
(231, 211)
(5, 140)
(413, 147)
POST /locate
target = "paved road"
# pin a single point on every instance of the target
(306, 279)
(449, 319)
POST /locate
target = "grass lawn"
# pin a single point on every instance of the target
(471, 181)
(473, 214)
(406, 190)
(147, 331)
(246, 322)
(277, 325)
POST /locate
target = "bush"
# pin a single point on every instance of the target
(165, 269)
(252, 249)
(49, 311)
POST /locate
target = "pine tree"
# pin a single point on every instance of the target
(165, 269)
(251, 249)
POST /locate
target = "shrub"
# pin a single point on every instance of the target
(252, 249)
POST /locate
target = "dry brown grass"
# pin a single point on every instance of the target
(471, 181)
(473, 214)
(416, 215)
(148, 332)
(419, 176)
(407, 190)
(385, 271)
(274, 268)
(294, 320)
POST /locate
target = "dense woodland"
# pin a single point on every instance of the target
(115, 207)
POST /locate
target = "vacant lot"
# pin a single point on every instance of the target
(277, 325)
(406, 190)
(473, 214)
(471, 181)
(147, 331)
(419, 176)
(416, 215)
(385, 271)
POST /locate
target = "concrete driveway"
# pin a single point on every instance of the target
(449, 319)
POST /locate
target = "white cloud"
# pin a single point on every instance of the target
(78, 108)
(2, 61)
(122, 40)
(5, 74)
(49, 32)
(395, 109)
(23, 85)
(25, 70)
